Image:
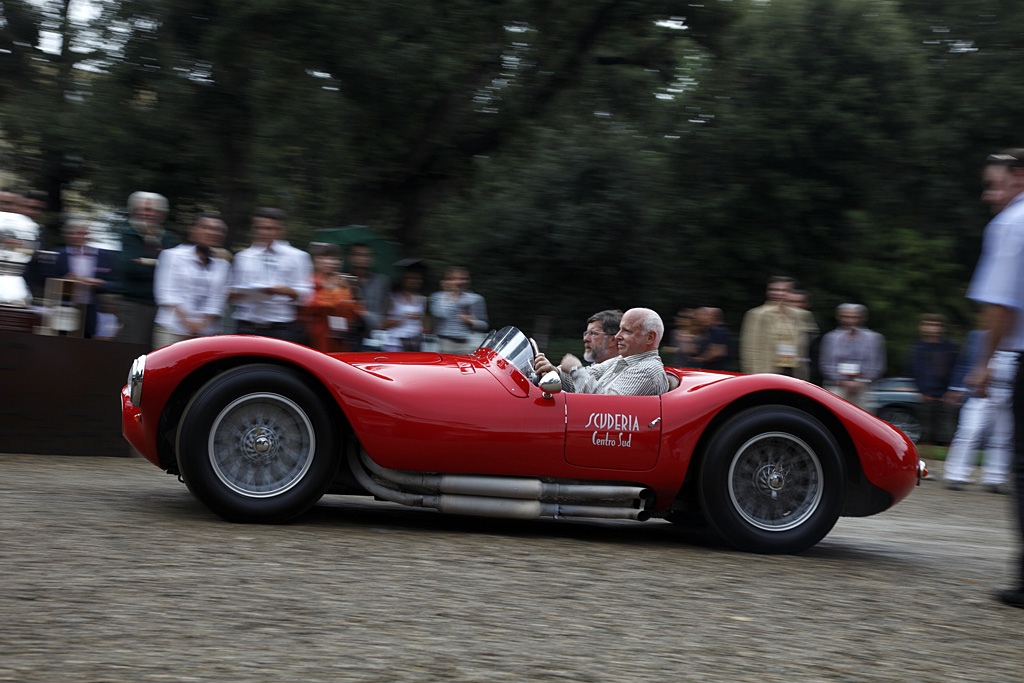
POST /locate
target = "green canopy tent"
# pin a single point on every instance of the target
(386, 252)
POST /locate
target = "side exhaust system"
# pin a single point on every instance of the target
(495, 496)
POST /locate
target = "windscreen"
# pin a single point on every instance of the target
(512, 345)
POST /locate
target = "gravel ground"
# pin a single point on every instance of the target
(112, 572)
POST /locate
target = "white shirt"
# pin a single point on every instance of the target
(999, 276)
(182, 282)
(82, 262)
(277, 264)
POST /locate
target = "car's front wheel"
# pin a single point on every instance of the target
(772, 480)
(256, 445)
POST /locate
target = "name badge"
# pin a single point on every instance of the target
(848, 369)
(786, 350)
(337, 323)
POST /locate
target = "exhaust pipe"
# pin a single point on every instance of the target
(509, 487)
(509, 497)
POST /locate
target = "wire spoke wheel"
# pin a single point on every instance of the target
(261, 445)
(772, 480)
(256, 444)
(775, 481)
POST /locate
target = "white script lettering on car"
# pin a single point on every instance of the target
(612, 422)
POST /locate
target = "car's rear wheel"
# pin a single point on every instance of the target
(772, 480)
(256, 445)
(903, 420)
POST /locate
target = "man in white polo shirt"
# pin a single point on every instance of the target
(270, 280)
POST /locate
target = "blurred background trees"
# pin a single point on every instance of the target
(575, 155)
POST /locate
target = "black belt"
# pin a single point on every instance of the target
(461, 340)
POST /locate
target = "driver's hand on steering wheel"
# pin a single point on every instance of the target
(542, 365)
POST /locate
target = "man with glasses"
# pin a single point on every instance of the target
(599, 337)
(637, 370)
(998, 284)
(598, 340)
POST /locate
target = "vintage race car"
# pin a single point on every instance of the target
(261, 429)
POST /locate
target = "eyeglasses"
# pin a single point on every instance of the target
(592, 333)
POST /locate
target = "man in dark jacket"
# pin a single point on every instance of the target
(142, 239)
(92, 270)
(930, 362)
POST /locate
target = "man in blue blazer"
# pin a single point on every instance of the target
(92, 270)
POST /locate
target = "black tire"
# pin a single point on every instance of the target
(256, 445)
(902, 419)
(772, 480)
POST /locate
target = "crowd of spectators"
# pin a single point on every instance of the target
(158, 290)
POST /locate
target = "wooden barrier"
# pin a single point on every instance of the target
(61, 395)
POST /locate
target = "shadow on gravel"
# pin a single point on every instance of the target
(335, 512)
(340, 513)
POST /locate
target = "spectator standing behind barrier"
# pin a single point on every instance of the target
(143, 237)
(190, 285)
(270, 280)
(681, 347)
(331, 315)
(372, 289)
(852, 356)
(985, 421)
(930, 361)
(91, 269)
(459, 314)
(998, 283)
(406, 310)
(711, 341)
(773, 337)
(800, 300)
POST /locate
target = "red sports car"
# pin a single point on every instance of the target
(260, 429)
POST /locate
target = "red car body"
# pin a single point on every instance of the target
(479, 416)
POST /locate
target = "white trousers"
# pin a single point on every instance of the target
(986, 423)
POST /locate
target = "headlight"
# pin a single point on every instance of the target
(135, 380)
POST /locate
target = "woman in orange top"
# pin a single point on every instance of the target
(332, 311)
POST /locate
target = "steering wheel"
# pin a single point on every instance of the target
(533, 371)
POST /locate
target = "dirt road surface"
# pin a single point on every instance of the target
(111, 571)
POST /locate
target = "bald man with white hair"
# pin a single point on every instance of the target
(636, 371)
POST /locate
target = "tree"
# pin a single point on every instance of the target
(39, 96)
(344, 113)
(812, 159)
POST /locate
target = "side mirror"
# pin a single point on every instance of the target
(551, 383)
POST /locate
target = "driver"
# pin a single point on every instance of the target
(636, 371)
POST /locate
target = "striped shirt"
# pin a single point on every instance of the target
(642, 374)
